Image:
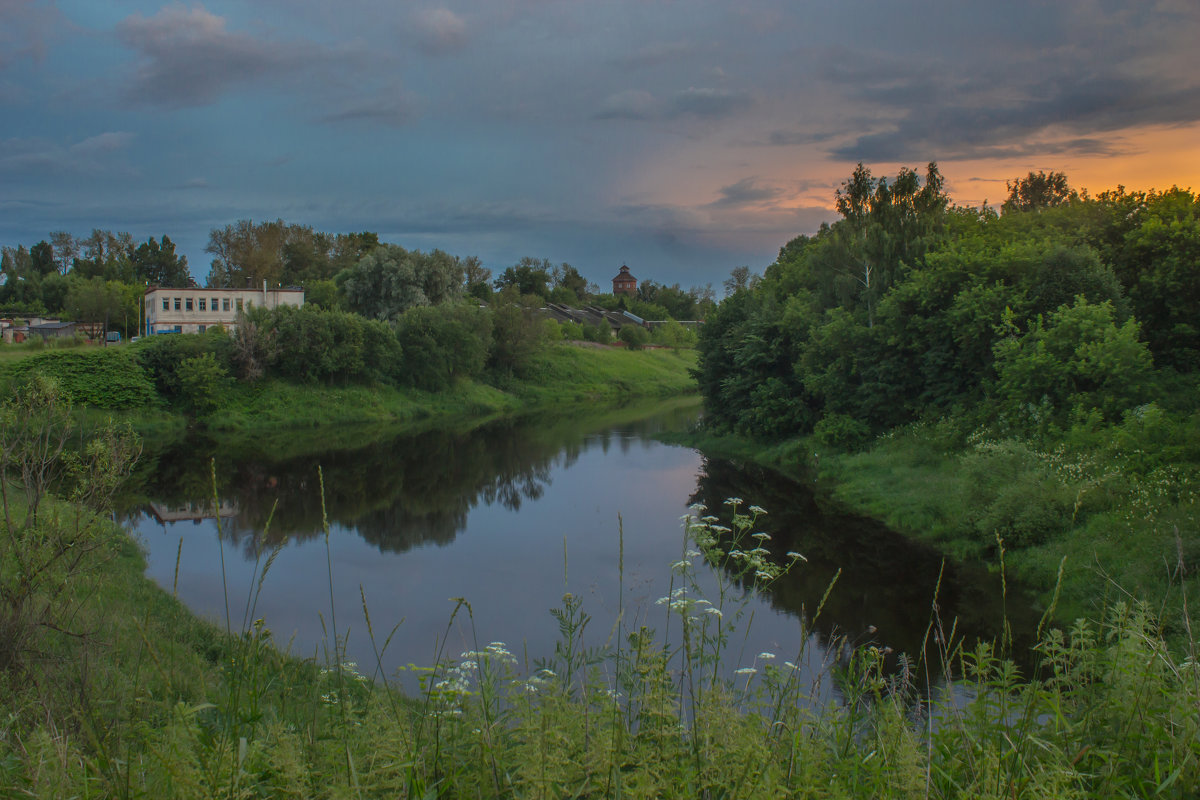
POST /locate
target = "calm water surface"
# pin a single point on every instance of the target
(510, 517)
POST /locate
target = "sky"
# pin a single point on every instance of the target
(680, 137)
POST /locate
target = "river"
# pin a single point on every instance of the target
(509, 517)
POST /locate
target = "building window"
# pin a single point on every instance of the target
(166, 304)
(203, 328)
(239, 304)
(178, 304)
(187, 304)
(225, 304)
(214, 304)
(202, 305)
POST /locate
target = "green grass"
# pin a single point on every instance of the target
(1119, 504)
(562, 374)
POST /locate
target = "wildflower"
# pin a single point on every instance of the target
(716, 612)
(692, 554)
(765, 656)
(763, 575)
(733, 501)
(794, 556)
(681, 564)
(757, 510)
(790, 665)
(745, 671)
(762, 537)
(721, 529)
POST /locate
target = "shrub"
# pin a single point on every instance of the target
(672, 334)
(161, 356)
(517, 334)
(202, 382)
(104, 378)
(442, 343)
(1013, 492)
(601, 334)
(842, 431)
(635, 337)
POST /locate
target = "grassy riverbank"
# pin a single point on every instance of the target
(104, 382)
(1115, 506)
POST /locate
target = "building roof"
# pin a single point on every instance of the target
(624, 274)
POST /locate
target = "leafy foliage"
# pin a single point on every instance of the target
(103, 377)
(442, 344)
(909, 307)
(389, 280)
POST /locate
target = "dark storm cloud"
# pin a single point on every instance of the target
(709, 103)
(787, 138)
(1031, 125)
(746, 192)
(391, 108)
(188, 57)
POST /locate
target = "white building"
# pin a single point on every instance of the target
(196, 310)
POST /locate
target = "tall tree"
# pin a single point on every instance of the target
(1037, 191)
(66, 248)
(389, 280)
(157, 264)
(527, 276)
(41, 258)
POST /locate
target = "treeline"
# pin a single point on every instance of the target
(97, 279)
(102, 277)
(1062, 309)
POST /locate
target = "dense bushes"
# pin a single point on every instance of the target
(162, 355)
(442, 343)
(316, 346)
(102, 377)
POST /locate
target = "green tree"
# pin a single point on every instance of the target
(202, 383)
(66, 248)
(635, 337)
(41, 258)
(443, 344)
(95, 301)
(323, 294)
(1158, 261)
(529, 276)
(390, 280)
(1078, 358)
(1037, 191)
(477, 278)
(517, 332)
(157, 264)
